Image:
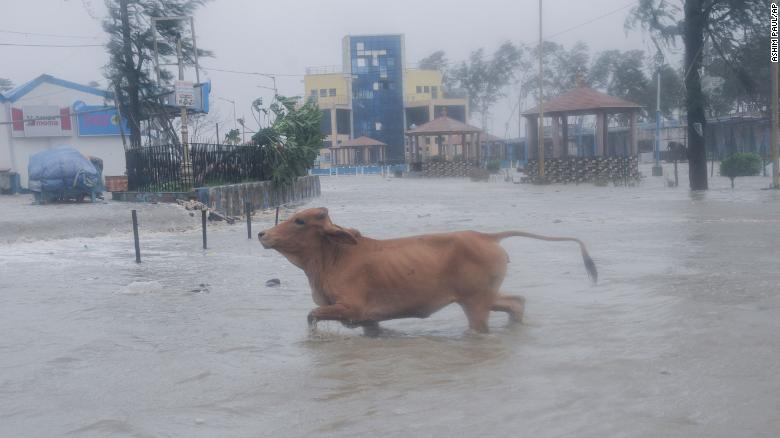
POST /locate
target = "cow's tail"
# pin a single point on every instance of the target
(590, 266)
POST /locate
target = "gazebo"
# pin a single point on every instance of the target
(578, 102)
(440, 128)
(494, 148)
(358, 151)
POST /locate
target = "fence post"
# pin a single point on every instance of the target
(203, 222)
(277, 216)
(248, 220)
(135, 237)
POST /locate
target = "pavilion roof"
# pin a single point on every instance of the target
(584, 100)
(360, 142)
(444, 125)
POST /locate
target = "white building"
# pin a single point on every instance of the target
(47, 112)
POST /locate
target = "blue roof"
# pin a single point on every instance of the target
(20, 91)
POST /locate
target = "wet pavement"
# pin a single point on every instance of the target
(678, 339)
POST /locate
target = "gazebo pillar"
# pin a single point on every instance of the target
(477, 147)
(556, 136)
(565, 134)
(463, 145)
(601, 134)
(532, 139)
(632, 137)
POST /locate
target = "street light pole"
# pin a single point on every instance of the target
(657, 169)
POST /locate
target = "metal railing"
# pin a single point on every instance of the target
(161, 168)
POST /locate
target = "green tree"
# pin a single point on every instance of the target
(293, 139)
(740, 164)
(437, 61)
(625, 75)
(233, 136)
(486, 80)
(130, 48)
(6, 84)
(561, 69)
(722, 22)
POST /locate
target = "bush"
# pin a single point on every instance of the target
(740, 164)
(493, 166)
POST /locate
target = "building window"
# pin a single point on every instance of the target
(323, 92)
(376, 86)
(361, 62)
(426, 89)
(378, 126)
(314, 92)
(360, 46)
(419, 89)
(332, 92)
(375, 61)
(435, 92)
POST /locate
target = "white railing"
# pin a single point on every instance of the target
(323, 70)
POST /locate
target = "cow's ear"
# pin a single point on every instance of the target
(340, 235)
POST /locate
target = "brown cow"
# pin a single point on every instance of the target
(361, 281)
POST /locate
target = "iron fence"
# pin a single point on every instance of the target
(161, 168)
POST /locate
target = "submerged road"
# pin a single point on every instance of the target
(678, 339)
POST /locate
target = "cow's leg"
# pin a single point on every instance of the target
(371, 329)
(511, 304)
(333, 312)
(477, 312)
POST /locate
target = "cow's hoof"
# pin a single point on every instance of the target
(372, 330)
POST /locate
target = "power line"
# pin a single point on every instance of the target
(632, 3)
(51, 45)
(48, 34)
(252, 73)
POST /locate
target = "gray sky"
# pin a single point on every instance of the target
(287, 36)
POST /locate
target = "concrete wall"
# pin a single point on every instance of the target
(231, 199)
(15, 152)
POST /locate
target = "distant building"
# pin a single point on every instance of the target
(47, 112)
(374, 95)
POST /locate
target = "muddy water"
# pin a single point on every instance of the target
(678, 339)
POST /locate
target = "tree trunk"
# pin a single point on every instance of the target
(695, 22)
(133, 110)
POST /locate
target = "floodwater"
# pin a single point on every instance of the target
(678, 339)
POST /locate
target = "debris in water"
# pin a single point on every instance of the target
(274, 282)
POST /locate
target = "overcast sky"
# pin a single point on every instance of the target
(284, 37)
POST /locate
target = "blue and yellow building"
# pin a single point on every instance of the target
(374, 95)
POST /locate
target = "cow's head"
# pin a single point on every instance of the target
(306, 231)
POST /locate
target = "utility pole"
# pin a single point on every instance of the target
(185, 144)
(541, 98)
(657, 169)
(775, 97)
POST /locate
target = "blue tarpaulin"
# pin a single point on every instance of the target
(62, 169)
